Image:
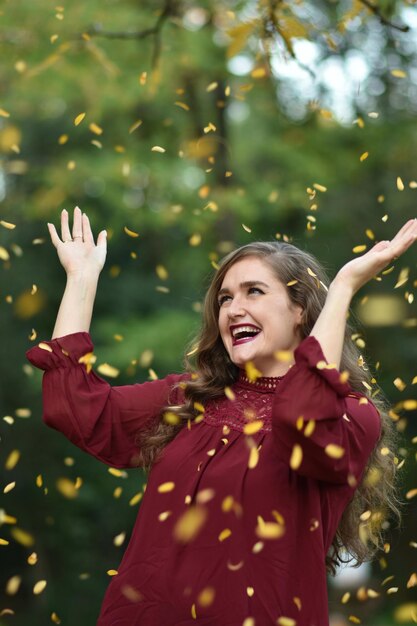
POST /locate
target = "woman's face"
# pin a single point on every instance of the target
(256, 316)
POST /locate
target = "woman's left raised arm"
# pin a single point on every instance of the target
(329, 329)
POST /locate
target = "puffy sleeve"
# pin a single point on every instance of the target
(323, 429)
(101, 419)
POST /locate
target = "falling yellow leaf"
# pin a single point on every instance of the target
(79, 119)
(286, 621)
(269, 530)
(182, 105)
(22, 536)
(400, 184)
(224, 534)
(251, 372)
(158, 149)
(8, 225)
(399, 73)
(129, 232)
(12, 460)
(95, 128)
(296, 457)
(190, 523)
(360, 248)
(284, 356)
(403, 277)
(12, 585)
(4, 255)
(248, 230)
(166, 487)
(364, 156)
(253, 457)
(253, 427)
(67, 488)
(108, 370)
(334, 451)
(134, 126)
(258, 72)
(39, 587)
(206, 596)
(161, 272)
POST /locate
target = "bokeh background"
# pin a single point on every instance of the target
(186, 128)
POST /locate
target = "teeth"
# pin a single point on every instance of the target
(245, 329)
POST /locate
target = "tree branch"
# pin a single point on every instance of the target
(96, 30)
(376, 11)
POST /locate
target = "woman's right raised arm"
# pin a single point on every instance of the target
(82, 261)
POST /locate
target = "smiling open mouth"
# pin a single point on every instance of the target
(243, 334)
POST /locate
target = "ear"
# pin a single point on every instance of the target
(299, 314)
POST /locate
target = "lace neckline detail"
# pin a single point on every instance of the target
(266, 383)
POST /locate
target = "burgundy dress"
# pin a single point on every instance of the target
(263, 507)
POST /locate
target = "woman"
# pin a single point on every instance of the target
(257, 458)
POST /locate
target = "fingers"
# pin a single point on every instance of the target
(54, 235)
(102, 239)
(65, 231)
(77, 227)
(86, 228)
(408, 228)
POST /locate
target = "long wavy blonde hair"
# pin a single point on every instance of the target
(359, 534)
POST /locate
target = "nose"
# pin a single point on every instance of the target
(235, 308)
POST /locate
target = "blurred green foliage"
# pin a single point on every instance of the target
(243, 150)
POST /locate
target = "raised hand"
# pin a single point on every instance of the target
(77, 252)
(360, 270)
(329, 328)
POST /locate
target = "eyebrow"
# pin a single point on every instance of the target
(246, 283)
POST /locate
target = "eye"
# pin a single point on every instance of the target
(255, 290)
(223, 299)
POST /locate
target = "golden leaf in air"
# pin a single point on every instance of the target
(269, 530)
(253, 427)
(399, 73)
(129, 232)
(67, 488)
(286, 621)
(253, 457)
(334, 451)
(88, 359)
(22, 536)
(7, 225)
(296, 457)
(206, 596)
(95, 128)
(251, 372)
(108, 370)
(39, 587)
(224, 534)
(166, 487)
(78, 119)
(134, 126)
(12, 459)
(190, 523)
